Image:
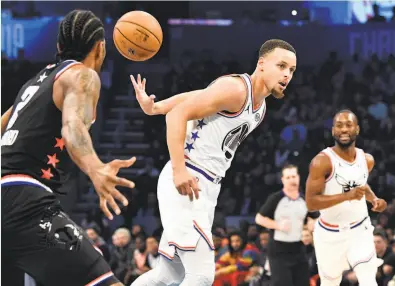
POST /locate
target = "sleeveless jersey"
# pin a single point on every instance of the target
(32, 143)
(211, 142)
(344, 177)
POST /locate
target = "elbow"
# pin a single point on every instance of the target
(175, 115)
(170, 116)
(257, 218)
(260, 220)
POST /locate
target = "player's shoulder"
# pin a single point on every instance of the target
(78, 74)
(232, 82)
(369, 160)
(322, 158)
(369, 157)
(321, 164)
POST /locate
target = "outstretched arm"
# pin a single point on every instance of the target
(165, 106)
(147, 103)
(4, 120)
(81, 89)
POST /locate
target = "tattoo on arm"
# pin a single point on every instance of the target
(78, 112)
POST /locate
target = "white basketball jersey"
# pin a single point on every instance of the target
(344, 177)
(211, 142)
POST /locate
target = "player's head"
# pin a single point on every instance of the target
(290, 177)
(276, 65)
(345, 128)
(81, 37)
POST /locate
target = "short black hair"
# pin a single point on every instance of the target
(346, 111)
(289, 166)
(270, 45)
(381, 233)
(78, 32)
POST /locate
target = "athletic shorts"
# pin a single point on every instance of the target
(40, 239)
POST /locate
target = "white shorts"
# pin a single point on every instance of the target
(185, 222)
(338, 250)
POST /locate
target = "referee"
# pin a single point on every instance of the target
(284, 214)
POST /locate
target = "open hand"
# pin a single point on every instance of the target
(146, 102)
(105, 179)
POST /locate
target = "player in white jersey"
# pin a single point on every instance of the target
(220, 117)
(337, 187)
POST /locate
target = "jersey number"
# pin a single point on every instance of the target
(25, 98)
(233, 139)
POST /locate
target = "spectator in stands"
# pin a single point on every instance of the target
(385, 253)
(98, 241)
(139, 263)
(122, 253)
(137, 230)
(259, 275)
(152, 251)
(219, 249)
(233, 266)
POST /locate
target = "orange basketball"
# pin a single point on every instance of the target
(138, 36)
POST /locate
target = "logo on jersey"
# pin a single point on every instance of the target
(233, 139)
(257, 117)
(347, 185)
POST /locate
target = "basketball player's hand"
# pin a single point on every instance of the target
(356, 193)
(186, 184)
(146, 102)
(105, 179)
(379, 205)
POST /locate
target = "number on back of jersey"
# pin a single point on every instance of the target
(10, 136)
(25, 98)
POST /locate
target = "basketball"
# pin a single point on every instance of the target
(138, 36)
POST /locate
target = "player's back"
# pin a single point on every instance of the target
(211, 142)
(345, 176)
(32, 143)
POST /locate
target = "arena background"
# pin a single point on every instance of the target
(345, 60)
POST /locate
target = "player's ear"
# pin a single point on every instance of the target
(333, 132)
(358, 129)
(99, 49)
(260, 63)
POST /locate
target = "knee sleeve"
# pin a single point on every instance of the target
(198, 280)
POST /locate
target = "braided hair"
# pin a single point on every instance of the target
(78, 33)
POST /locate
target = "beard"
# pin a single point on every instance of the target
(345, 145)
(277, 93)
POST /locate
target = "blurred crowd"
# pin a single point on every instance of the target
(295, 129)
